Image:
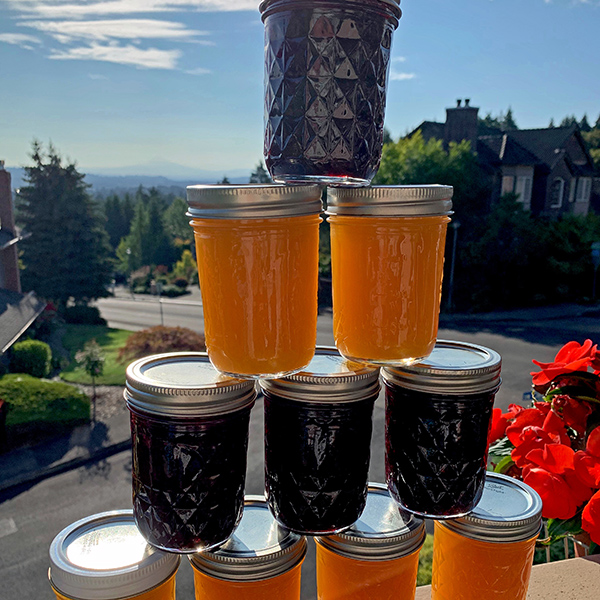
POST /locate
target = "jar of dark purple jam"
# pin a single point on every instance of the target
(189, 427)
(318, 427)
(438, 414)
(326, 72)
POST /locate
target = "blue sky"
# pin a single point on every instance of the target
(115, 83)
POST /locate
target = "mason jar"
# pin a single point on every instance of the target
(257, 249)
(104, 557)
(189, 429)
(378, 557)
(326, 72)
(318, 426)
(488, 553)
(437, 417)
(260, 561)
(387, 261)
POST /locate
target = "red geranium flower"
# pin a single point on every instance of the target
(498, 426)
(531, 438)
(559, 502)
(590, 518)
(587, 462)
(574, 412)
(571, 357)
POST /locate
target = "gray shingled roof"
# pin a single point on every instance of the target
(17, 313)
(506, 149)
(544, 143)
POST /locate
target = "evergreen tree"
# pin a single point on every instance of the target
(260, 175)
(66, 256)
(597, 123)
(551, 125)
(569, 121)
(224, 181)
(584, 124)
(387, 136)
(117, 225)
(508, 122)
(176, 222)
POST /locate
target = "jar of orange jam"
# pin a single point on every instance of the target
(257, 249)
(488, 553)
(378, 557)
(260, 561)
(387, 259)
(104, 557)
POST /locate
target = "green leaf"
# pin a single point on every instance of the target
(504, 465)
(560, 528)
(502, 447)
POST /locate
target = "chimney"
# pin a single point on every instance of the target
(9, 275)
(461, 124)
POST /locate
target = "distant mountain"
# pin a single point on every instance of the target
(104, 181)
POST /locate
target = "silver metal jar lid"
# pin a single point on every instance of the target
(253, 201)
(509, 511)
(272, 4)
(184, 384)
(382, 532)
(258, 549)
(452, 368)
(390, 201)
(329, 377)
(105, 557)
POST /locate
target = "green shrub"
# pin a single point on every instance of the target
(425, 562)
(160, 339)
(40, 408)
(172, 291)
(83, 315)
(31, 357)
(180, 282)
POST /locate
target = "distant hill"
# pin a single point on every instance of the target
(107, 183)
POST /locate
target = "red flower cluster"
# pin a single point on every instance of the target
(565, 479)
(570, 358)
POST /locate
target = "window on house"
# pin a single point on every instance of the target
(584, 189)
(556, 192)
(523, 188)
(508, 184)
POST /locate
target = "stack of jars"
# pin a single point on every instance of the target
(257, 246)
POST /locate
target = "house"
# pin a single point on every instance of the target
(17, 310)
(550, 170)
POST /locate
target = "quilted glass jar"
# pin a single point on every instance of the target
(438, 414)
(326, 74)
(318, 426)
(189, 428)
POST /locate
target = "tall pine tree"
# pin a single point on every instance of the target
(66, 256)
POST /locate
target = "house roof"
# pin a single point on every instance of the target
(17, 313)
(429, 129)
(505, 149)
(544, 143)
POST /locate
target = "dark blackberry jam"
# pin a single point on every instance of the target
(326, 71)
(318, 426)
(190, 440)
(438, 414)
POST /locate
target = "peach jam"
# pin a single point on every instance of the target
(387, 259)
(104, 557)
(260, 561)
(488, 553)
(378, 557)
(257, 249)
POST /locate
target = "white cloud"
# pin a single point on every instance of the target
(150, 58)
(87, 8)
(19, 39)
(395, 76)
(104, 30)
(399, 59)
(198, 71)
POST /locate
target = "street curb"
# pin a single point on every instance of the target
(47, 472)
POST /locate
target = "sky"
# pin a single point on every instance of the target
(120, 83)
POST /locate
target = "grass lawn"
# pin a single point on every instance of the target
(425, 560)
(110, 340)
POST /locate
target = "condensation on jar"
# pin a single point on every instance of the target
(104, 557)
(438, 415)
(378, 557)
(488, 553)
(318, 426)
(387, 261)
(260, 561)
(189, 427)
(257, 249)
